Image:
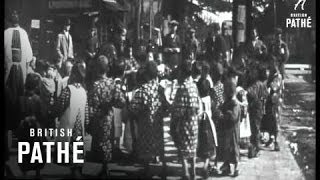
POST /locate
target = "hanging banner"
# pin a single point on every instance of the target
(242, 21)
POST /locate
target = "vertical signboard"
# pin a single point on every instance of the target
(242, 23)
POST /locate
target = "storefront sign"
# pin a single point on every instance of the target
(35, 23)
(69, 4)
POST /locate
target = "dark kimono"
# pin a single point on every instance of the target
(172, 58)
(185, 116)
(147, 107)
(32, 117)
(103, 96)
(215, 48)
(231, 125)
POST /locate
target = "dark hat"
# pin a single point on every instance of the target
(67, 22)
(278, 31)
(174, 22)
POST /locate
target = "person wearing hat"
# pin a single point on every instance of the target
(192, 45)
(64, 45)
(256, 49)
(215, 45)
(17, 58)
(281, 51)
(172, 46)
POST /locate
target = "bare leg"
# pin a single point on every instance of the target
(206, 164)
(185, 168)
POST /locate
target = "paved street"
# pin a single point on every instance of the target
(269, 165)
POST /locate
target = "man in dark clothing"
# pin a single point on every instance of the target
(256, 49)
(216, 50)
(280, 50)
(172, 46)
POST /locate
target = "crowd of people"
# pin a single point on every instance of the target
(214, 96)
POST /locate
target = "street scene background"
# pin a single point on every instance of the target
(142, 18)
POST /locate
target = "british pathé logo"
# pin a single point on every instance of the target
(300, 2)
(297, 19)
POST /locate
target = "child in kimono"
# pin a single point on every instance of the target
(47, 92)
(231, 115)
(207, 130)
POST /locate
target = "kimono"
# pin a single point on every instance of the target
(245, 131)
(32, 117)
(47, 95)
(184, 118)
(18, 53)
(217, 101)
(270, 121)
(207, 130)
(231, 125)
(147, 107)
(102, 98)
(257, 94)
(72, 110)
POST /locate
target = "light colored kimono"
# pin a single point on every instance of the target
(26, 51)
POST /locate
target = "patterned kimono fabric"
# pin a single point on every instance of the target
(103, 96)
(217, 101)
(146, 106)
(184, 122)
(271, 120)
(73, 118)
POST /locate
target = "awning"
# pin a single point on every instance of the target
(116, 5)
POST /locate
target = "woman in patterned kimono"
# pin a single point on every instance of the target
(102, 98)
(72, 110)
(184, 121)
(273, 106)
(147, 107)
(217, 101)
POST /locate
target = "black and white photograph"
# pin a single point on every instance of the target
(160, 89)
